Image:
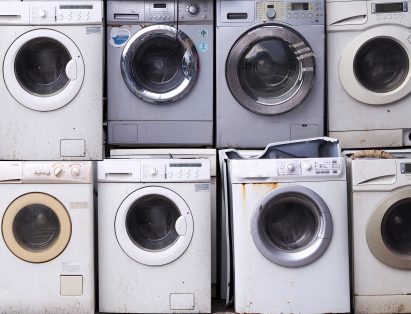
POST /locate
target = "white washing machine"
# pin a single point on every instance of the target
(51, 71)
(290, 235)
(46, 249)
(369, 77)
(381, 237)
(154, 236)
(185, 153)
(269, 71)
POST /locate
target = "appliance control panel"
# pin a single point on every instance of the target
(195, 10)
(309, 167)
(66, 12)
(175, 170)
(58, 172)
(159, 11)
(293, 12)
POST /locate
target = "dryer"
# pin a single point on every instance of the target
(46, 248)
(154, 236)
(51, 85)
(269, 71)
(160, 73)
(369, 57)
(381, 240)
(289, 229)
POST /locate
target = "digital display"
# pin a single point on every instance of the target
(69, 7)
(296, 6)
(186, 165)
(270, 6)
(406, 168)
(159, 5)
(389, 7)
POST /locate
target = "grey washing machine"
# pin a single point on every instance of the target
(160, 73)
(269, 71)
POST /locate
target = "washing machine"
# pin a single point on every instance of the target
(289, 232)
(160, 73)
(381, 239)
(369, 73)
(154, 236)
(51, 70)
(46, 248)
(269, 71)
(178, 153)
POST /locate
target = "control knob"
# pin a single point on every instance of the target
(153, 170)
(270, 13)
(193, 9)
(58, 172)
(75, 171)
(42, 13)
(307, 166)
(290, 167)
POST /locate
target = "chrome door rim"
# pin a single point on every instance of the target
(190, 59)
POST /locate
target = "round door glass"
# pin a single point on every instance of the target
(40, 66)
(396, 227)
(36, 227)
(290, 222)
(268, 69)
(150, 222)
(157, 64)
(381, 65)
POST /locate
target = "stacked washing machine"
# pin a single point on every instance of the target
(157, 192)
(368, 95)
(51, 129)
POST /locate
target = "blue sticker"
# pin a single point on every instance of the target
(203, 47)
(119, 36)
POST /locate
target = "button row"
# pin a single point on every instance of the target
(160, 17)
(389, 16)
(183, 174)
(302, 15)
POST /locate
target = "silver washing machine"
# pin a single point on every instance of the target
(157, 94)
(269, 71)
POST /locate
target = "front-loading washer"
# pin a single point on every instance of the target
(154, 231)
(160, 60)
(51, 85)
(269, 71)
(47, 243)
(289, 229)
(381, 239)
(369, 57)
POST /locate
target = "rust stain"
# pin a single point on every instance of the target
(257, 189)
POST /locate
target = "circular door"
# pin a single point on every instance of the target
(388, 230)
(36, 227)
(43, 70)
(270, 70)
(291, 226)
(159, 64)
(375, 66)
(154, 226)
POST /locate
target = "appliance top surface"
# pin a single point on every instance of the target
(159, 11)
(362, 14)
(154, 170)
(287, 170)
(292, 12)
(56, 172)
(78, 12)
(380, 174)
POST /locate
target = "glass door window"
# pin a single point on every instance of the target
(291, 226)
(159, 64)
(270, 70)
(36, 227)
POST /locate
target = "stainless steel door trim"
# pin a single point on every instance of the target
(299, 91)
(313, 250)
(190, 64)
